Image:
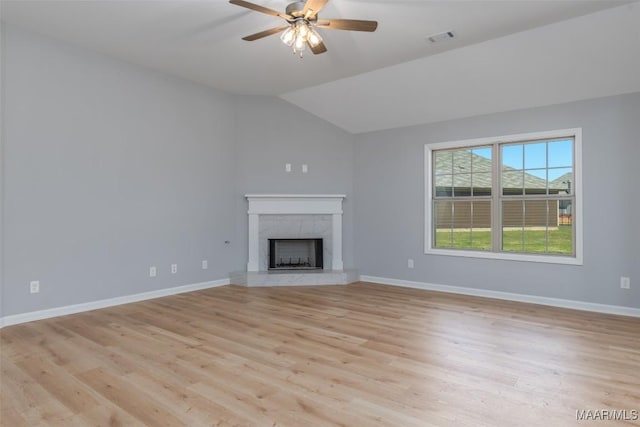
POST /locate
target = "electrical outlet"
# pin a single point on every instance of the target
(625, 282)
(410, 263)
(153, 271)
(34, 286)
(287, 167)
(305, 168)
(205, 264)
(174, 268)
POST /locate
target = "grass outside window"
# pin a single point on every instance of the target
(533, 240)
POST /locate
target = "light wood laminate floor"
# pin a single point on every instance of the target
(354, 355)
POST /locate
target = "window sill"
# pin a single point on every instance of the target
(549, 259)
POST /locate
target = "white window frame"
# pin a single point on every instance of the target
(575, 133)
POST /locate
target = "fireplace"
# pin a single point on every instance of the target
(294, 216)
(295, 254)
(314, 218)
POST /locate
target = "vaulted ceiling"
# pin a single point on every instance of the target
(201, 41)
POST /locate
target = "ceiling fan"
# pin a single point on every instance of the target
(302, 21)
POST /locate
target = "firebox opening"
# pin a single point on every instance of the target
(295, 254)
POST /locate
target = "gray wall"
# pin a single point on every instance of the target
(271, 133)
(109, 169)
(2, 99)
(389, 190)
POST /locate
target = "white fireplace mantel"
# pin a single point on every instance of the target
(295, 204)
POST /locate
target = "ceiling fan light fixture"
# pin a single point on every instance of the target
(301, 17)
(303, 28)
(314, 38)
(300, 43)
(288, 36)
(299, 34)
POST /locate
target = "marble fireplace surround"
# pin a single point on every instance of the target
(295, 227)
(294, 216)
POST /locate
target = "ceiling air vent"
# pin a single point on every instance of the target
(440, 37)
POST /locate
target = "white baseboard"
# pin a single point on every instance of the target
(110, 302)
(554, 302)
(94, 305)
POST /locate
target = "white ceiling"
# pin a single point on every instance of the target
(201, 41)
(587, 57)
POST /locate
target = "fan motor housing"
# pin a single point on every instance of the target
(296, 8)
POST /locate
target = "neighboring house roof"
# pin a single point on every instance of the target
(561, 182)
(463, 163)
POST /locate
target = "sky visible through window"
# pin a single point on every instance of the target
(533, 157)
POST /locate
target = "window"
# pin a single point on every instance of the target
(515, 197)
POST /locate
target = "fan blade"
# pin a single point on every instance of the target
(348, 24)
(312, 7)
(264, 33)
(321, 48)
(262, 9)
